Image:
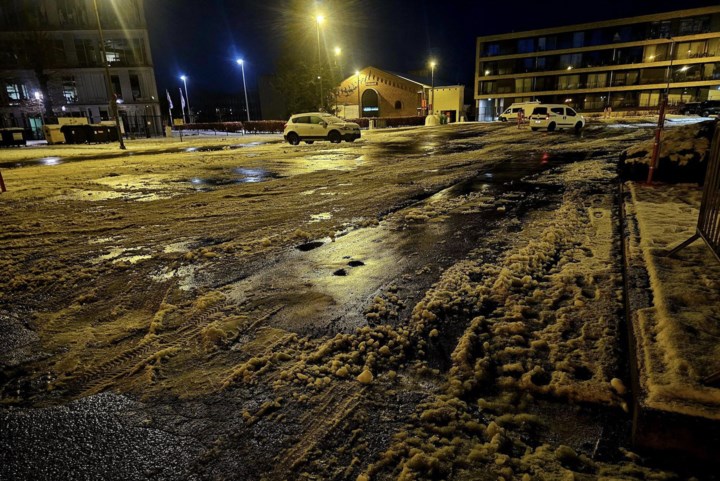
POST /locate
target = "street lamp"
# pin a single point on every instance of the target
(187, 98)
(108, 82)
(432, 89)
(242, 67)
(338, 55)
(319, 19)
(357, 72)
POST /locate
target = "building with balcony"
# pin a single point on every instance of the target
(51, 63)
(625, 64)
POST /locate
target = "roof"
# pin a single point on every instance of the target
(425, 82)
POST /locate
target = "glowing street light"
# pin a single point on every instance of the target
(247, 106)
(338, 57)
(357, 72)
(432, 90)
(319, 20)
(187, 98)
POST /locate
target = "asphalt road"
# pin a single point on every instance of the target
(204, 314)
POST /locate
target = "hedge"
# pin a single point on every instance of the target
(277, 126)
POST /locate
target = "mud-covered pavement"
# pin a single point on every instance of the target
(439, 303)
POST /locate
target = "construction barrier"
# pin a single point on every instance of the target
(708, 226)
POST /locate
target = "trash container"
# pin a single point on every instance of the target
(13, 136)
(53, 135)
(98, 134)
(75, 134)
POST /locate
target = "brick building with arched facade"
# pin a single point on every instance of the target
(373, 92)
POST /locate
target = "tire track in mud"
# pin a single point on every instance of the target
(97, 379)
(318, 424)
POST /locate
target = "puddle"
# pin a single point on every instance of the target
(240, 176)
(320, 217)
(29, 163)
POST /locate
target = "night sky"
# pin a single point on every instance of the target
(202, 39)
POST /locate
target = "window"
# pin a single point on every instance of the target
(135, 86)
(525, 45)
(578, 39)
(16, 91)
(558, 110)
(301, 120)
(315, 120)
(492, 49)
(398, 105)
(86, 52)
(115, 80)
(523, 85)
(694, 25)
(570, 112)
(69, 88)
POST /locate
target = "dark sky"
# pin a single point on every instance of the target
(202, 39)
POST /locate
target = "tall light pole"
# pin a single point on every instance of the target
(108, 83)
(319, 19)
(187, 97)
(247, 106)
(432, 88)
(357, 72)
(338, 56)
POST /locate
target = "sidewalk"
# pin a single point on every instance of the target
(674, 307)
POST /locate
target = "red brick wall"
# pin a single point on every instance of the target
(389, 88)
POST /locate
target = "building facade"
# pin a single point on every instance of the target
(51, 63)
(373, 92)
(625, 64)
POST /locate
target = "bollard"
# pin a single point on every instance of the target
(2, 184)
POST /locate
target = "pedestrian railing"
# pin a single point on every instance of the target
(708, 226)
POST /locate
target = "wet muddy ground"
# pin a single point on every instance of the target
(439, 303)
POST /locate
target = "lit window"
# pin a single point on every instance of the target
(69, 90)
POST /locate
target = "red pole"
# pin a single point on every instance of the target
(656, 145)
(2, 184)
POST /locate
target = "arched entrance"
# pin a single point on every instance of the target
(370, 103)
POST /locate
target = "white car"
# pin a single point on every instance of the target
(555, 116)
(313, 126)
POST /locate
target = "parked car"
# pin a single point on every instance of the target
(312, 126)
(510, 113)
(555, 116)
(690, 108)
(709, 107)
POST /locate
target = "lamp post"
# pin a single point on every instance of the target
(187, 98)
(432, 88)
(661, 117)
(319, 19)
(241, 62)
(338, 56)
(108, 83)
(357, 72)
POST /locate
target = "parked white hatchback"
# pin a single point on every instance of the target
(555, 116)
(312, 126)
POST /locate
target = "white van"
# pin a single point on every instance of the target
(555, 116)
(510, 113)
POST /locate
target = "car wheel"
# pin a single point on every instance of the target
(551, 127)
(293, 138)
(706, 114)
(309, 142)
(350, 139)
(578, 126)
(334, 137)
(503, 119)
(534, 129)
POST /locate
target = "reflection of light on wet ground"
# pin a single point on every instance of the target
(191, 149)
(51, 161)
(319, 217)
(243, 176)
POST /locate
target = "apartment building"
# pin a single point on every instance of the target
(626, 63)
(51, 63)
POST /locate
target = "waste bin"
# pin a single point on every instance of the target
(98, 134)
(13, 136)
(53, 135)
(75, 134)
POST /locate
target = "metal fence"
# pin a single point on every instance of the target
(708, 226)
